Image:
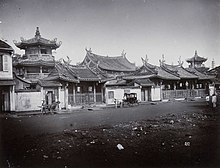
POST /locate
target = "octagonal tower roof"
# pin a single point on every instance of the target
(37, 41)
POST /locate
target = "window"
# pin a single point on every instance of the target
(78, 89)
(43, 51)
(1, 62)
(33, 70)
(90, 88)
(111, 94)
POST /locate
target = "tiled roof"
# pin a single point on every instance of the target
(63, 73)
(6, 82)
(37, 40)
(154, 71)
(49, 83)
(165, 75)
(5, 47)
(179, 70)
(144, 82)
(28, 62)
(117, 63)
(200, 75)
(196, 58)
(84, 74)
(72, 73)
(116, 82)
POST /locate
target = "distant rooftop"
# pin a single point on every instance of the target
(116, 63)
(196, 58)
(37, 40)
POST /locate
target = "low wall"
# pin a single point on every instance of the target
(119, 94)
(28, 101)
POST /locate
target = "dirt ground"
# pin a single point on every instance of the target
(171, 140)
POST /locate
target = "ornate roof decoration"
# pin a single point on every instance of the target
(106, 63)
(38, 62)
(179, 71)
(200, 75)
(72, 73)
(38, 40)
(196, 58)
(150, 71)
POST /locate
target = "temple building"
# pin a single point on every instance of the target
(164, 82)
(7, 100)
(197, 62)
(108, 66)
(38, 60)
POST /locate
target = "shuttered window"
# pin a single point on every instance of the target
(5, 63)
(1, 62)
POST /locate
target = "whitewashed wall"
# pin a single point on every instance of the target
(28, 101)
(155, 93)
(119, 93)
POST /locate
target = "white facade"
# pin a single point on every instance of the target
(113, 93)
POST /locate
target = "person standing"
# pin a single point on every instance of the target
(214, 100)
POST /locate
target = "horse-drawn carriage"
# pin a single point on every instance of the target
(130, 99)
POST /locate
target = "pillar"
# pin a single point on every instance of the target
(74, 94)
(65, 96)
(58, 97)
(102, 93)
(12, 98)
(94, 90)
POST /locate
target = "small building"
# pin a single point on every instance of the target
(7, 88)
(38, 61)
(197, 62)
(215, 73)
(116, 88)
(109, 66)
(29, 70)
(79, 85)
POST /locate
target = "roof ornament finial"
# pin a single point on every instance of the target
(196, 53)
(37, 34)
(179, 61)
(89, 51)
(162, 60)
(146, 58)
(123, 53)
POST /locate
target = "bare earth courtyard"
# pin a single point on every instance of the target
(171, 134)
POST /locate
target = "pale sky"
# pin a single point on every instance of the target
(154, 27)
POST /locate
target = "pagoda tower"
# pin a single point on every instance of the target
(197, 62)
(38, 60)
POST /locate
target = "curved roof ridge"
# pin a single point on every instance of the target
(119, 63)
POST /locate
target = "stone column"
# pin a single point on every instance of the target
(12, 98)
(58, 97)
(102, 93)
(65, 96)
(74, 94)
(94, 90)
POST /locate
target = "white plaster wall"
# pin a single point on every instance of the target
(61, 96)
(119, 94)
(7, 74)
(155, 94)
(28, 101)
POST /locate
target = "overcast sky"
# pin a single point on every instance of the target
(154, 27)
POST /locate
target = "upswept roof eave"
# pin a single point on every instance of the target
(21, 79)
(121, 63)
